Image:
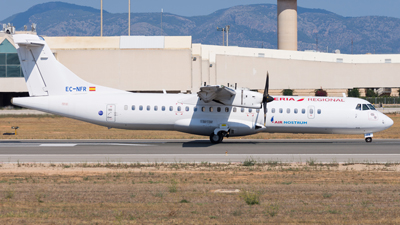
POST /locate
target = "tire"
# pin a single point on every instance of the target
(368, 140)
(215, 139)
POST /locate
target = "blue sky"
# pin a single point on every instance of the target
(192, 8)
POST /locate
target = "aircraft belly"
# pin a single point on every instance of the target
(207, 126)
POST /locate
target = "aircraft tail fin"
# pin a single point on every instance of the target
(44, 75)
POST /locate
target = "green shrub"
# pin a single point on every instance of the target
(353, 92)
(249, 162)
(173, 187)
(326, 195)
(287, 92)
(9, 194)
(371, 93)
(251, 198)
(272, 210)
(184, 201)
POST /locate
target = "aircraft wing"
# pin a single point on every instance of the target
(216, 93)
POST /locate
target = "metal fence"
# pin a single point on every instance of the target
(383, 100)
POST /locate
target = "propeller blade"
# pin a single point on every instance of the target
(265, 113)
(265, 99)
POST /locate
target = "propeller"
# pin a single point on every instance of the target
(266, 99)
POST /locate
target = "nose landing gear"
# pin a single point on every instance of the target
(368, 137)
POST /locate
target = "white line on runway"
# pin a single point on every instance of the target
(57, 145)
(140, 145)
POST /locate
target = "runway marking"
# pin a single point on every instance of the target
(57, 145)
(140, 145)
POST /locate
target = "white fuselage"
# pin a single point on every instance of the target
(185, 113)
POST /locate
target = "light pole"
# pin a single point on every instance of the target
(227, 34)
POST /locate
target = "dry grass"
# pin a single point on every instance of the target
(288, 194)
(54, 127)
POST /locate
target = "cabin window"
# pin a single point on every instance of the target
(140, 107)
(358, 107)
(218, 109)
(148, 108)
(273, 110)
(133, 107)
(371, 107)
(211, 109)
(203, 109)
(171, 108)
(319, 111)
(187, 108)
(303, 111)
(365, 107)
(195, 109)
(163, 108)
(155, 108)
(125, 107)
(234, 109)
(296, 111)
(311, 111)
(242, 110)
(226, 109)
(280, 110)
(288, 111)
(250, 110)
(179, 108)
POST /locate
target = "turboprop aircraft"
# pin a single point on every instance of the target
(215, 111)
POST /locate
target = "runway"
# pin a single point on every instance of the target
(132, 151)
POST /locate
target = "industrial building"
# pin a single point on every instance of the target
(175, 64)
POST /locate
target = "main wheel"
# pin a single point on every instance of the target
(216, 138)
(368, 139)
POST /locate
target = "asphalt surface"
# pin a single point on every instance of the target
(73, 151)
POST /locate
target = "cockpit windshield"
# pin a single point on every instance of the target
(371, 107)
(365, 107)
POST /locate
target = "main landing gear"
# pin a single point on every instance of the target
(368, 137)
(219, 133)
(217, 138)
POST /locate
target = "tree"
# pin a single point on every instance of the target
(353, 93)
(320, 92)
(287, 92)
(371, 93)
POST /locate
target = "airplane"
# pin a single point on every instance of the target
(216, 111)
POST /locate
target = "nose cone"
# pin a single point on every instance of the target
(389, 122)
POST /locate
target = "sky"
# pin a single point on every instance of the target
(193, 8)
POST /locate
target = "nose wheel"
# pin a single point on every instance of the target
(368, 137)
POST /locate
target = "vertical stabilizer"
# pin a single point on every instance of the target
(44, 75)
